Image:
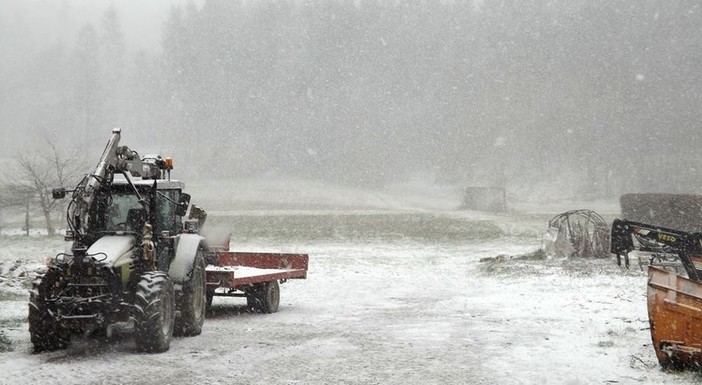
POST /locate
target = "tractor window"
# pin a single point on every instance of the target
(165, 211)
(118, 211)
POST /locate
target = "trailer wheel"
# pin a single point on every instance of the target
(264, 297)
(210, 296)
(154, 311)
(193, 303)
(45, 332)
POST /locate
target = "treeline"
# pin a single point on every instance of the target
(598, 96)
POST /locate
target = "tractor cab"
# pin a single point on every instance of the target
(125, 207)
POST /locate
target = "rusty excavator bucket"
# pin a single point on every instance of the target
(675, 315)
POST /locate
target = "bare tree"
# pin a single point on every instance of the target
(37, 173)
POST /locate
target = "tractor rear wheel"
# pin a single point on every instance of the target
(193, 303)
(154, 312)
(264, 297)
(45, 332)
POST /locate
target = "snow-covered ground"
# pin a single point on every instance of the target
(378, 310)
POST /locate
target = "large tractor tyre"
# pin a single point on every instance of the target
(154, 312)
(263, 297)
(193, 302)
(45, 332)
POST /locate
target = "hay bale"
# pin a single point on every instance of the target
(674, 211)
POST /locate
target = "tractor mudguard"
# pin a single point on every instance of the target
(186, 249)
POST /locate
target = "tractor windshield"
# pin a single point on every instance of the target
(118, 216)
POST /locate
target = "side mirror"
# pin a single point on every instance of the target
(58, 193)
(182, 206)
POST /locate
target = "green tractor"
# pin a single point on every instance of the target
(132, 256)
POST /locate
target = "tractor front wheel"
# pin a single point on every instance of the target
(154, 312)
(45, 332)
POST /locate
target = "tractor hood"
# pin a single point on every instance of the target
(110, 248)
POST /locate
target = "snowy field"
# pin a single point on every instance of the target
(396, 294)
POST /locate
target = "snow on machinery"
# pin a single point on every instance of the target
(132, 256)
(674, 300)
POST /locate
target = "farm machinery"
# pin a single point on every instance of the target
(134, 256)
(674, 300)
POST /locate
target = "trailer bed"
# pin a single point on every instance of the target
(236, 269)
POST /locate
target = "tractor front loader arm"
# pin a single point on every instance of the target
(630, 236)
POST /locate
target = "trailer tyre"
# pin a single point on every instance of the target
(154, 311)
(45, 332)
(264, 297)
(210, 297)
(193, 303)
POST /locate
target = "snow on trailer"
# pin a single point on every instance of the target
(254, 276)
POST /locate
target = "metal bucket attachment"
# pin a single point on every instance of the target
(675, 314)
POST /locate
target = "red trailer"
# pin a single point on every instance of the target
(254, 276)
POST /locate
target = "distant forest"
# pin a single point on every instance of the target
(600, 96)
